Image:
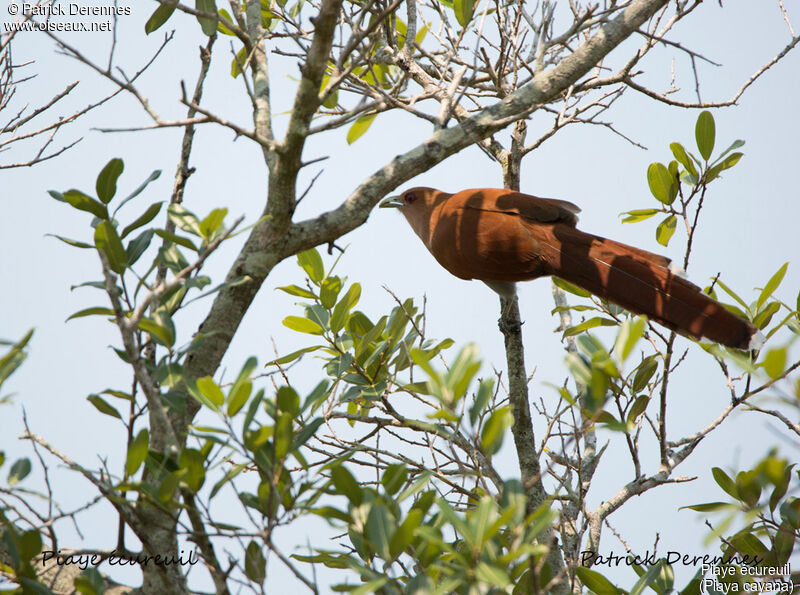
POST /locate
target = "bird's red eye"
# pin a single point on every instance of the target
(409, 197)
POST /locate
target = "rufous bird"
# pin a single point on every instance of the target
(501, 237)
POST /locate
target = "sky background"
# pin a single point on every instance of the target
(748, 230)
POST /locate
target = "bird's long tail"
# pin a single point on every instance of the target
(643, 282)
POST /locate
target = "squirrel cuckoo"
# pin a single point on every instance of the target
(501, 237)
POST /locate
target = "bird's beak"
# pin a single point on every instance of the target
(392, 202)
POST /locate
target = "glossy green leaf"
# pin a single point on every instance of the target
(630, 331)
(71, 242)
(153, 176)
(662, 183)
(311, 262)
(644, 372)
(586, 325)
(192, 462)
(143, 219)
(107, 240)
(255, 565)
(19, 471)
(162, 331)
(725, 482)
(596, 582)
(211, 390)
(209, 26)
(221, 27)
(184, 219)
(106, 184)
(394, 478)
(302, 325)
(464, 10)
(775, 362)
(94, 311)
(329, 291)
(704, 132)
(666, 229)
(138, 245)
(342, 309)
(569, 287)
(683, 158)
(494, 429)
(639, 406)
(238, 396)
(211, 225)
(102, 406)
(176, 239)
(771, 285)
(380, 529)
(726, 163)
(346, 484)
(297, 291)
(359, 127)
(238, 62)
(639, 215)
(159, 17)
(80, 201)
(137, 452)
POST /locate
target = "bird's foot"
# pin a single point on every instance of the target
(509, 325)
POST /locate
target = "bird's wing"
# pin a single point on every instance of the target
(532, 208)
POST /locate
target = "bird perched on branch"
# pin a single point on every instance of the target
(501, 237)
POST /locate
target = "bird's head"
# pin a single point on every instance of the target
(417, 205)
(414, 200)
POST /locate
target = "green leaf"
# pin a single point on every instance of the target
(221, 28)
(394, 478)
(775, 362)
(163, 333)
(380, 529)
(94, 311)
(102, 406)
(683, 158)
(238, 396)
(255, 565)
(342, 309)
(212, 223)
(725, 482)
(359, 127)
(192, 461)
(463, 10)
(311, 263)
(19, 471)
(771, 285)
(644, 372)
(107, 240)
(662, 183)
(211, 390)
(638, 215)
(639, 406)
(494, 429)
(71, 242)
(491, 575)
(569, 287)
(80, 201)
(106, 184)
(159, 17)
(596, 582)
(346, 484)
(666, 229)
(297, 291)
(209, 26)
(153, 176)
(184, 219)
(176, 239)
(709, 506)
(726, 163)
(302, 325)
(288, 400)
(238, 62)
(630, 332)
(138, 245)
(143, 219)
(586, 325)
(704, 133)
(329, 291)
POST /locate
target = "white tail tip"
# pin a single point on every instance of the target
(677, 270)
(757, 340)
